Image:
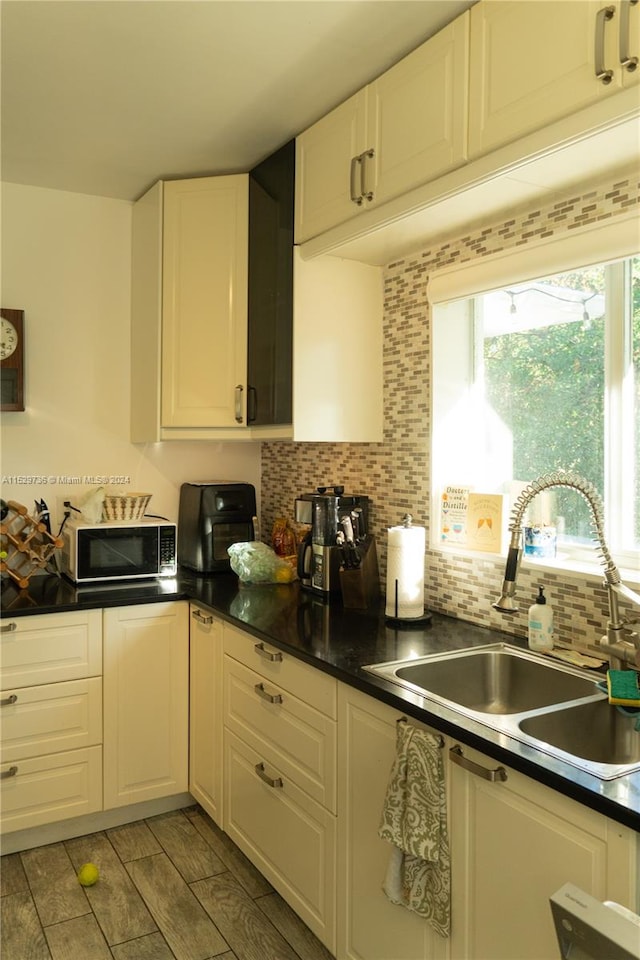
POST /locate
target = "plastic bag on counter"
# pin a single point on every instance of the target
(255, 562)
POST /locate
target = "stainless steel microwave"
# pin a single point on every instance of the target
(93, 553)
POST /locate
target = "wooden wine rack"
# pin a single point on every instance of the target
(25, 544)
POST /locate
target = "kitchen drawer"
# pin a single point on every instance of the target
(288, 836)
(50, 647)
(300, 740)
(47, 789)
(50, 719)
(308, 683)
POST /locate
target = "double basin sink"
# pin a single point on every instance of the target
(537, 701)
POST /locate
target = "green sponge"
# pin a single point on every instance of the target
(623, 687)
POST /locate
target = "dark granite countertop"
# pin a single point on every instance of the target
(340, 642)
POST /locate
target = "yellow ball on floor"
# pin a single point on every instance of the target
(88, 874)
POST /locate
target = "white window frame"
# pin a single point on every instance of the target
(603, 242)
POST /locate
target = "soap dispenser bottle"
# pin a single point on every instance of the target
(540, 623)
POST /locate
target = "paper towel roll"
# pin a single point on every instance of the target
(405, 572)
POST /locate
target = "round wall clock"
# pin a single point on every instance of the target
(11, 359)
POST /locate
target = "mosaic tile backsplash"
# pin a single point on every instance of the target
(395, 474)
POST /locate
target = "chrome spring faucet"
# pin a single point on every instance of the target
(621, 645)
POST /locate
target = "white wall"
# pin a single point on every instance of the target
(66, 263)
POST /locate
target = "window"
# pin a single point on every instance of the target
(540, 376)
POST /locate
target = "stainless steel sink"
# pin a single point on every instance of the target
(495, 681)
(540, 702)
(498, 679)
(594, 731)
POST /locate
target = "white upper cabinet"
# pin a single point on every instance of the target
(510, 101)
(326, 161)
(404, 129)
(532, 63)
(204, 284)
(417, 116)
(189, 307)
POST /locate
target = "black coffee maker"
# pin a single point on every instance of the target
(320, 554)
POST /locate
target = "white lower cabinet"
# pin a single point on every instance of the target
(205, 710)
(51, 718)
(146, 698)
(286, 834)
(279, 774)
(514, 842)
(54, 787)
(370, 927)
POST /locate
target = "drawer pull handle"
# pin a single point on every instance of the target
(269, 697)
(267, 654)
(11, 772)
(457, 756)
(201, 618)
(606, 13)
(10, 699)
(276, 782)
(8, 627)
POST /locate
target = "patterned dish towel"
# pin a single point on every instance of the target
(414, 819)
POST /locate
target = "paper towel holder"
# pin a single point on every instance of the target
(407, 622)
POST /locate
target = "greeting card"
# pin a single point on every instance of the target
(484, 522)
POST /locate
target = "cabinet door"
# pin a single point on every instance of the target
(370, 927)
(146, 719)
(204, 322)
(533, 63)
(205, 710)
(269, 365)
(513, 845)
(286, 834)
(324, 155)
(418, 115)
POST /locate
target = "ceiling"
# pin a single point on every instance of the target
(107, 96)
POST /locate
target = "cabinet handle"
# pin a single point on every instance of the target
(606, 13)
(355, 197)
(201, 618)
(628, 62)
(269, 697)
(252, 404)
(367, 155)
(276, 782)
(11, 772)
(8, 627)
(267, 654)
(239, 392)
(457, 756)
(13, 698)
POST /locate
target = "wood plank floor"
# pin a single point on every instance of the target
(172, 887)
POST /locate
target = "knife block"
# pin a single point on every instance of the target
(361, 587)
